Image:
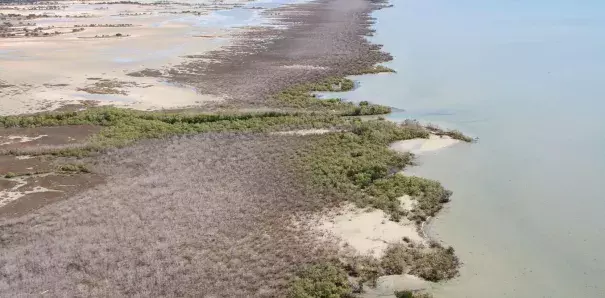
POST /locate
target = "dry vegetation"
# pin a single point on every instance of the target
(208, 214)
(197, 216)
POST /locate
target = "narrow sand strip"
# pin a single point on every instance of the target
(20, 139)
(304, 132)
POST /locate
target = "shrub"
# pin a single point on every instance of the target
(394, 259)
(320, 281)
(411, 294)
(300, 96)
(404, 294)
(78, 168)
(435, 264)
(364, 268)
(348, 165)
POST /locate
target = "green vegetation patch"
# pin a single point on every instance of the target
(320, 281)
(374, 70)
(358, 166)
(122, 126)
(412, 294)
(434, 263)
(300, 96)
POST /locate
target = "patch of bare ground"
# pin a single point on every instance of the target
(30, 180)
(205, 216)
(322, 39)
(23, 137)
(22, 195)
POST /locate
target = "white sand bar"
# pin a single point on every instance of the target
(421, 146)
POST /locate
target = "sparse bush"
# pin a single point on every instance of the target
(77, 168)
(364, 268)
(10, 175)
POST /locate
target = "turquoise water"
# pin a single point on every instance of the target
(528, 211)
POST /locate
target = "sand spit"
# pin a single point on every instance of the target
(423, 146)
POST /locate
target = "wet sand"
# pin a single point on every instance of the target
(46, 72)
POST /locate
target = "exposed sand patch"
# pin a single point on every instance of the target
(368, 232)
(304, 67)
(407, 203)
(421, 146)
(19, 139)
(14, 193)
(23, 157)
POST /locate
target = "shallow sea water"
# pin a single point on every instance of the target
(528, 80)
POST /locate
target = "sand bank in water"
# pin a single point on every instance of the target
(421, 146)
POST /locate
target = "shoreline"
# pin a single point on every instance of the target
(232, 76)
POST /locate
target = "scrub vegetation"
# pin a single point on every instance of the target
(122, 127)
(374, 70)
(358, 166)
(354, 164)
(153, 216)
(301, 96)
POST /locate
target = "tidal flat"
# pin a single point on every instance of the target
(255, 187)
